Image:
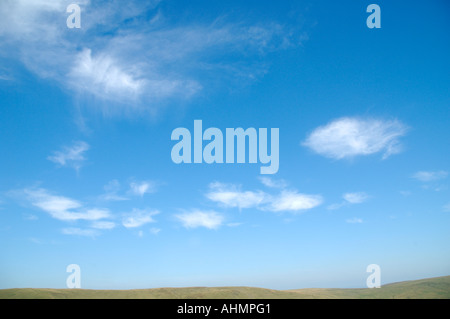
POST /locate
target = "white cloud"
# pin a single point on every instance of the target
(428, 176)
(155, 231)
(111, 192)
(138, 218)
(349, 137)
(71, 156)
(63, 208)
(26, 19)
(236, 224)
(293, 201)
(350, 199)
(102, 75)
(356, 198)
(354, 221)
(4, 74)
(272, 183)
(142, 188)
(134, 66)
(336, 205)
(288, 200)
(446, 208)
(80, 232)
(103, 225)
(30, 217)
(197, 218)
(232, 196)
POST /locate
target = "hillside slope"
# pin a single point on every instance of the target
(432, 288)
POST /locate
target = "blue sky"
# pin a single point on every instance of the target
(86, 175)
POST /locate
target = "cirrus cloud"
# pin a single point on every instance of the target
(70, 155)
(131, 56)
(355, 198)
(63, 208)
(430, 176)
(198, 218)
(349, 137)
(230, 195)
(138, 218)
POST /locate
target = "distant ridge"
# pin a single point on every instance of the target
(431, 288)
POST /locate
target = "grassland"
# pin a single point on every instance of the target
(432, 288)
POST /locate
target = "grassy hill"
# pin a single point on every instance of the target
(433, 288)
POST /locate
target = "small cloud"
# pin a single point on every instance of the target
(405, 193)
(336, 206)
(111, 192)
(155, 231)
(104, 76)
(63, 208)
(272, 183)
(294, 201)
(234, 224)
(72, 156)
(138, 218)
(355, 198)
(232, 196)
(36, 240)
(427, 176)
(354, 221)
(103, 225)
(4, 77)
(142, 188)
(80, 232)
(446, 208)
(30, 217)
(350, 199)
(349, 137)
(197, 218)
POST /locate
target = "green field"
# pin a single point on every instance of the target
(433, 288)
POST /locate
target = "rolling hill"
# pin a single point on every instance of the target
(432, 288)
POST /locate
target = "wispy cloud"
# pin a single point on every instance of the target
(138, 218)
(142, 188)
(354, 221)
(155, 231)
(349, 137)
(80, 232)
(350, 199)
(103, 225)
(230, 195)
(105, 77)
(356, 198)
(430, 176)
(63, 208)
(198, 218)
(130, 56)
(446, 208)
(4, 74)
(292, 201)
(72, 156)
(273, 183)
(30, 217)
(112, 192)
